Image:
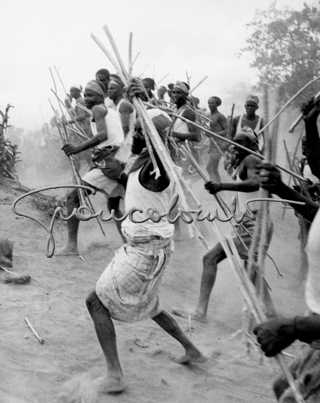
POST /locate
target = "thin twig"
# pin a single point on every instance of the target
(40, 339)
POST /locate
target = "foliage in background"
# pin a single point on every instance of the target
(285, 48)
(8, 152)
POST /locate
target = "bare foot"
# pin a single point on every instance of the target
(67, 251)
(191, 357)
(112, 384)
(195, 315)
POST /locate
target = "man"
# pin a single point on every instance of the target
(161, 93)
(247, 186)
(170, 88)
(128, 288)
(124, 108)
(149, 85)
(127, 115)
(79, 115)
(217, 147)
(311, 150)
(181, 130)
(249, 119)
(103, 76)
(81, 121)
(277, 334)
(107, 137)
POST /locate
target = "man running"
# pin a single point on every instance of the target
(246, 186)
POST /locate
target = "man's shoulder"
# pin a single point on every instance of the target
(251, 160)
(189, 113)
(99, 110)
(126, 107)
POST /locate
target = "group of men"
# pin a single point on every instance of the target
(128, 288)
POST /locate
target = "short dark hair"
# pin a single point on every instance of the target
(104, 72)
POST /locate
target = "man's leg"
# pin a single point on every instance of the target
(71, 247)
(192, 354)
(209, 273)
(107, 338)
(114, 204)
(213, 168)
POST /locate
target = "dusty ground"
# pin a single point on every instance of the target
(70, 361)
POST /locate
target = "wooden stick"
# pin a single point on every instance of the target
(108, 54)
(299, 118)
(130, 55)
(40, 339)
(288, 103)
(231, 120)
(249, 293)
(201, 81)
(134, 60)
(160, 81)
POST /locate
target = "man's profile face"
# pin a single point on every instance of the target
(91, 98)
(113, 91)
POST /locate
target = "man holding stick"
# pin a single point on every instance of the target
(247, 187)
(249, 119)
(277, 334)
(183, 131)
(128, 288)
(107, 138)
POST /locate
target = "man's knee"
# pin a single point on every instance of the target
(214, 256)
(93, 302)
(72, 196)
(113, 203)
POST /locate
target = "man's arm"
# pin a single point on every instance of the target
(250, 184)
(99, 113)
(193, 135)
(277, 334)
(125, 111)
(270, 179)
(224, 125)
(79, 115)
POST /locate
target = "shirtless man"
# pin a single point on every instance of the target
(79, 117)
(247, 186)
(107, 136)
(249, 119)
(217, 147)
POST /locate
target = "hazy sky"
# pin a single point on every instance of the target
(201, 37)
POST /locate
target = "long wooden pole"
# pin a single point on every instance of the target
(231, 142)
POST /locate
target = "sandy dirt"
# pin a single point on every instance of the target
(69, 365)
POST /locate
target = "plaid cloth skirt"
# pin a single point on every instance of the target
(129, 286)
